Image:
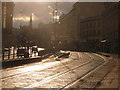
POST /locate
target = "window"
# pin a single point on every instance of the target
(4, 16)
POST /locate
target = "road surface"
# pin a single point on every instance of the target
(54, 73)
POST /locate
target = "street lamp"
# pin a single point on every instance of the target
(55, 22)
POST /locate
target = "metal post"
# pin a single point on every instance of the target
(9, 53)
(13, 52)
(3, 54)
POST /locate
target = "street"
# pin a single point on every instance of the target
(58, 72)
(59, 44)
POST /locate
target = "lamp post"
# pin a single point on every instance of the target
(55, 19)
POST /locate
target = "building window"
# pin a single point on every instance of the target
(4, 16)
(4, 23)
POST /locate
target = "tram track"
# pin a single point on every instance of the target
(85, 80)
(88, 73)
(3, 78)
(63, 73)
(52, 77)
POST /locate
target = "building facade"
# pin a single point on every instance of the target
(70, 26)
(7, 23)
(111, 25)
(101, 32)
(92, 25)
(91, 32)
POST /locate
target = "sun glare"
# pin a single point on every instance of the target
(25, 18)
(38, 67)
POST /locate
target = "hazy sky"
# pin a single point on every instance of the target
(40, 10)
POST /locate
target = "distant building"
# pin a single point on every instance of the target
(44, 34)
(7, 16)
(7, 23)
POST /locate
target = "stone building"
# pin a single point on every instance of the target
(90, 25)
(1, 14)
(69, 27)
(111, 25)
(101, 32)
(7, 23)
(91, 32)
(0, 25)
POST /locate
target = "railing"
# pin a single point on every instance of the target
(19, 53)
(15, 53)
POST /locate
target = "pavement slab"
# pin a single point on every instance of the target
(103, 77)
